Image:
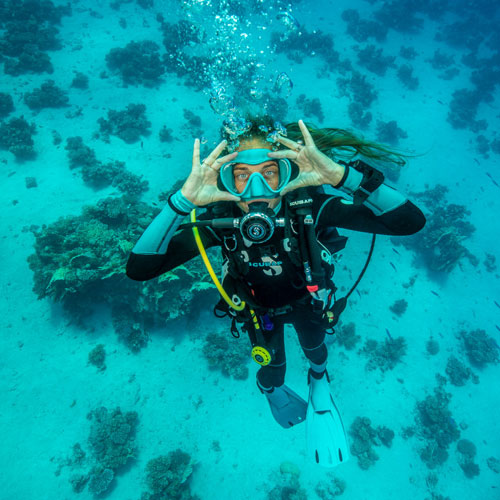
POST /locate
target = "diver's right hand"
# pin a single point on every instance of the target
(200, 187)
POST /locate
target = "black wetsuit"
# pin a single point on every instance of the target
(273, 277)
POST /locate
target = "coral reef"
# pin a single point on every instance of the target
(493, 464)
(331, 488)
(358, 89)
(361, 29)
(457, 372)
(192, 68)
(167, 476)
(49, 95)
(389, 132)
(480, 348)
(441, 61)
(80, 81)
(193, 123)
(28, 32)
(138, 63)
(227, 354)
(459, 34)
(408, 53)
(99, 175)
(166, 134)
(129, 124)
(30, 182)
(401, 16)
(399, 307)
(364, 437)
(6, 104)
(384, 355)
(372, 58)
(358, 116)
(490, 263)
(432, 346)
(287, 484)
(112, 445)
(436, 425)
(99, 480)
(310, 107)
(16, 137)
(80, 262)
(439, 246)
(345, 335)
(300, 45)
(463, 110)
(97, 357)
(405, 74)
(466, 451)
(111, 438)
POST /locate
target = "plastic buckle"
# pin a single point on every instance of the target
(235, 243)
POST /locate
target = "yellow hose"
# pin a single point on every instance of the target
(210, 269)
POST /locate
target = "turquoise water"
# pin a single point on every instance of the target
(64, 292)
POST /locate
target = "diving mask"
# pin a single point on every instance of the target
(257, 186)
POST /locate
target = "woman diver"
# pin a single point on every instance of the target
(269, 191)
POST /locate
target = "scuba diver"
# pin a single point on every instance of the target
(277, 230)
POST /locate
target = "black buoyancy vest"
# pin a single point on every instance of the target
(237, 264)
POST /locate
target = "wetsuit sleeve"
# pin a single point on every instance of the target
(385, 211)
(161, 248)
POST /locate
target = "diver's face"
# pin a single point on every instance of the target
(269, 170)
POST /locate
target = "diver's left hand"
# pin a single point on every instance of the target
(315, 167)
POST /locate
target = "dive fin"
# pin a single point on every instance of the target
(327, 443)
(287, 407)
